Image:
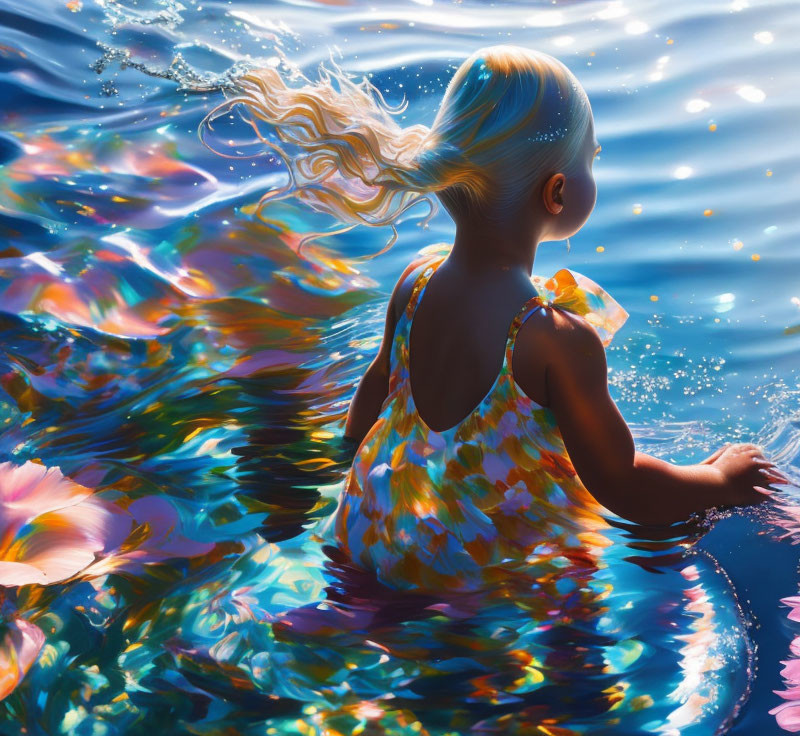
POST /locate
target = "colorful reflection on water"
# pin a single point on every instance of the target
(175, 373)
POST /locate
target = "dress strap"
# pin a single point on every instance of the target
(526, 311)
(420, 282)
(399, 355)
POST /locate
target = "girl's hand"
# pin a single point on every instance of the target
(746, 472)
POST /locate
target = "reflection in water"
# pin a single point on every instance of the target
(480, 661)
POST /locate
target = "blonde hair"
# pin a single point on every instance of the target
(509, 115)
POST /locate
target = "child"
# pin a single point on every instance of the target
(485, 417)
(486, 434)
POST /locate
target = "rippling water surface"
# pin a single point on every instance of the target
(185, 363)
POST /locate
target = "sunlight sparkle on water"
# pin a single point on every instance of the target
(546, 18)
(635, 27)
(658, 74)
(614, 9)
(697, 105)
(751, 94)
(725, 302)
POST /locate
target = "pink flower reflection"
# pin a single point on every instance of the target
(19, 646)
(51, 527)
(786, 514)
(788, 716)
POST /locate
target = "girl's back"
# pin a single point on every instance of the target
(463, 502)
(457, 344)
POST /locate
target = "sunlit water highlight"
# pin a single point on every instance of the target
(172, 353)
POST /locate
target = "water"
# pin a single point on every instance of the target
(163, 347)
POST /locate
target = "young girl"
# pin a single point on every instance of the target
(485, 422)
(484, 425)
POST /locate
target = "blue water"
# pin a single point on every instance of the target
(159, 340)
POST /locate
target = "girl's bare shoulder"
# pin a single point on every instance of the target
(555, 336)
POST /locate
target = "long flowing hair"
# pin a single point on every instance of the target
(508, 116)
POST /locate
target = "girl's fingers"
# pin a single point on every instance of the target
(765, 491)
(771, 469)
(773, 475)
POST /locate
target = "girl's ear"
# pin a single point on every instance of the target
(552, 193)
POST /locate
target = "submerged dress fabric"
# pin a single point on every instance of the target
(488, 500)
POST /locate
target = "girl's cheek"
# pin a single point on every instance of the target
(589, 188)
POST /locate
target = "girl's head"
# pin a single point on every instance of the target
(513, 135)
(514, 131)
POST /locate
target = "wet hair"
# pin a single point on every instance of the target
(509, 116)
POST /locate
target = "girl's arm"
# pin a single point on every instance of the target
(374, 386)
(636, 486)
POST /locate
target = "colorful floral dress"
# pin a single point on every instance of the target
(487, 499)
